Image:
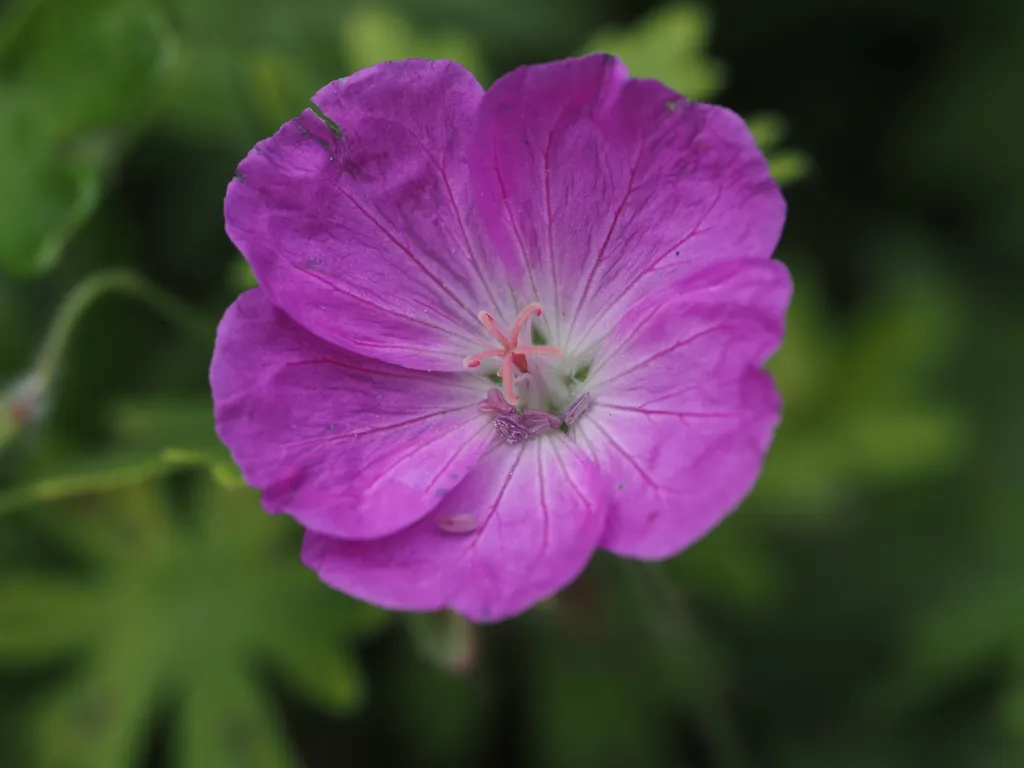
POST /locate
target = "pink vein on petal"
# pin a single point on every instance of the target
(385, 428)
(611, 231)
(680, 414)
(551, 238)
(394, 372)
(408, 252)
(663, 352)
(543, 500)
(419, 447)
(368, 302)
(629, 457)
(512, 219)
(457, 453)
(694, 231)
(458, 217)
(497, 502)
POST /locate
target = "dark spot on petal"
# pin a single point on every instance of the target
(673, 104)
(622, 486)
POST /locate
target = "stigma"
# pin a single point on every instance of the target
(513, 354)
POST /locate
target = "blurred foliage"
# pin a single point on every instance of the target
(184, 611)
(76, 81)
(864, 608)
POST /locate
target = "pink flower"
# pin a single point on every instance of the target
(496, 331)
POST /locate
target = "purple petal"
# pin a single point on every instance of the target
(597, 189)
(346, 445)
(361, 234)
(682, 414)
(540, 508)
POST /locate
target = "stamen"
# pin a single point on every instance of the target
(511, 428)
(524, 315)
(539, 351)
(575, 411)
(495, 403)
(488, 322)
(536, 422)
(507, 381)
(511, 352)
(473, 361)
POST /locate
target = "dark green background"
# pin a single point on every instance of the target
(865, 607)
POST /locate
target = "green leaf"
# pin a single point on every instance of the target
(372, 35)
(183, 606)
(247, 65)
(228, 721)
(43, 616)
(857, 407)
(318, 668)
(99, 718)
(86, 76)
(114, 471)
(770, 129)
(670, 44)
(152, 439)
(789, 166)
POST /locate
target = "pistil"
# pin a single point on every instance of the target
(513, 354)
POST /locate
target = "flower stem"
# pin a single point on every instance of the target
(122, 281)
(26, 399)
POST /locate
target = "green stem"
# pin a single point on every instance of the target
(660, 607)
(75, 304)
(95, 286)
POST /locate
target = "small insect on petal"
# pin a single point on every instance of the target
(575, 411)
(460, 523)
(511, 429)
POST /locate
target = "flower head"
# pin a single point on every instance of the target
(496, 331)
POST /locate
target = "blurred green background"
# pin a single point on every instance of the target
(865, 607)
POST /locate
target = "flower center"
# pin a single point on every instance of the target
(513, 354)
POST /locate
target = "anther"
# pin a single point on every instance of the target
(575, 411)
(511, 429)
(496, 404)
